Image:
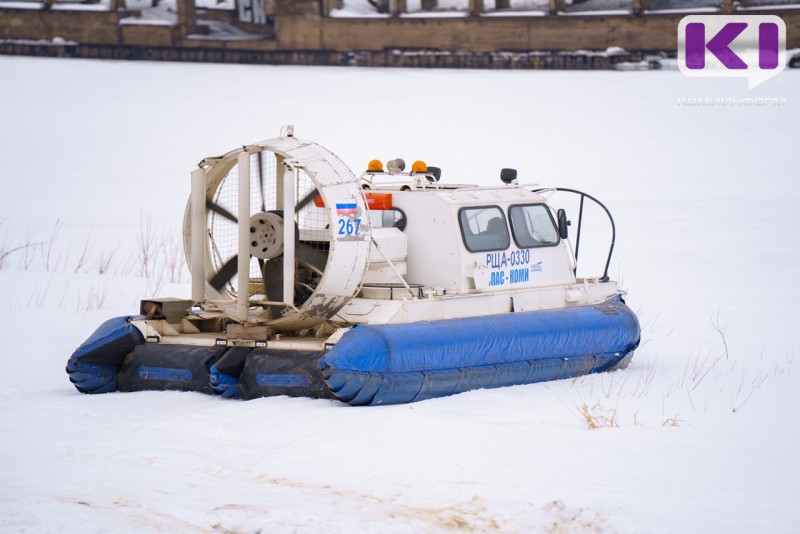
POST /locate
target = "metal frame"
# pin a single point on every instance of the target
(580, 221)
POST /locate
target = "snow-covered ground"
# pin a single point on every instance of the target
(696, 435)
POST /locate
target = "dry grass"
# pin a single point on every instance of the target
(157, 256)
(674, 421)
(742, 394)
(5, 252)
(84, 258)
(717, 379)
(51, 259)
(96, 299)
(597, 416)
(104, 261)
(721, 330)
(7, 249)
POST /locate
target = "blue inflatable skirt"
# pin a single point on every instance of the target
(399, 363)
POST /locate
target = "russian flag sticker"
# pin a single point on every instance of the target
(346, 208)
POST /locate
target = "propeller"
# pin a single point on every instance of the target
(235, 219)
(271, 258)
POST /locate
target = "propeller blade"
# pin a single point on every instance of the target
(225, 274)
(273, 283)
(261, 270)
(273, 279)
(306, 200)
(261, 181)
(219, 210)
(311, 255)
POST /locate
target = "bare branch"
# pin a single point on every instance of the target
(722, 331)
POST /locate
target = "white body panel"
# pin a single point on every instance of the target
(438, 257)
(473, 304)
(393, 248)
(429, 268)
(458, 283)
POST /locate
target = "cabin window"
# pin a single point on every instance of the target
(484, 228)
(533, 226)
(393, 218)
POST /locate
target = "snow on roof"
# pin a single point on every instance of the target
(684, 10)
(160, 15)
(434, 14)
(764, 7)
(508, 13)
(21, 5)
(137, 21)
(79, 7)
(596, 13)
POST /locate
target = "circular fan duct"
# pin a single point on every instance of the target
(327, 258)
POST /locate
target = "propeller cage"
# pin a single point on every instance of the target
(245, 257)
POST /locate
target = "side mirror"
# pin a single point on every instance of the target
(562, 224)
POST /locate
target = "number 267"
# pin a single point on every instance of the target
(349, 226)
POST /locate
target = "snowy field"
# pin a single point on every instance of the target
(695, 436)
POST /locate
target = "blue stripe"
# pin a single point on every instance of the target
(164, 373)
(293, 380)
(346, 206)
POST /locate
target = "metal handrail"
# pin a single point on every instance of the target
(580, 221)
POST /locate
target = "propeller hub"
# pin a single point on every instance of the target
(266, 235)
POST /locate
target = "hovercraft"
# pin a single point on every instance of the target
(389, 288)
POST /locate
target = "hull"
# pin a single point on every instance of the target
(372, 364)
